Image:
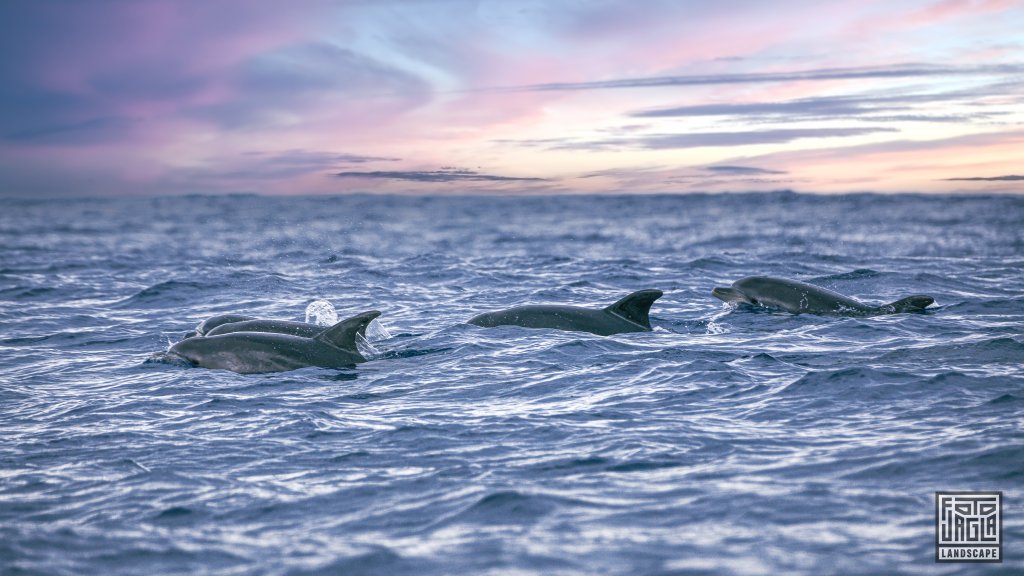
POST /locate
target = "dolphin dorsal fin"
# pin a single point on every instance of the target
(343, 334)
(636, 307)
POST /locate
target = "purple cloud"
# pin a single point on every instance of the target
(698, 139)
(901, 107)
(727, 170)
(280, 165)
(1008, 178)
(861, 73)
(443, 175)
(311, 77)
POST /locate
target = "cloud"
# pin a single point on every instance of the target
(323, 67)
(323, 81)
(224, 66)
(693, 178)
(358, 159)
(624, 172)
(726, 170)
(68, 67)
(1012, 139)
(820, 74)
(948, 9)
(257, 166)
(912, 107)
(442, 175)
(698, 139)
(1008, 178)
(74, 133)
(803, 107)
(904, 165)
(313, 159)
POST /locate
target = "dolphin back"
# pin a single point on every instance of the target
(915, 303)
(636, 307)
(213, 322)
(279, 326)
(343, 334)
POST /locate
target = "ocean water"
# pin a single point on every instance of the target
(726, 441)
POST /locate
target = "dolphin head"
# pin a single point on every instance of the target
(915, 303)
(730, 295)
(919, 301)
(753, 290)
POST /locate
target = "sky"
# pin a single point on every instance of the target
(167, 97)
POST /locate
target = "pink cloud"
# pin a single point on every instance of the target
(949, 9)
(901, 165)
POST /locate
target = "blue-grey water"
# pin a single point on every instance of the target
(726, 441)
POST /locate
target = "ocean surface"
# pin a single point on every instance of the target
(726, 441)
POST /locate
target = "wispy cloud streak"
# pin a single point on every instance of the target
(443, 175)
(699, 139)
(742, 170)
(1008, 178)
(821, 74)
(872, 107)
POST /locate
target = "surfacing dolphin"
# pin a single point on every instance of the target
(254, 352)
(303, 329)
(321, 311)
(626, 315)
(214, 321)
(801, 298)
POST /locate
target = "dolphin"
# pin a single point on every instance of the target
(800, 298)
(255, 352)
(227, 323)
(626, 315)
(304, 329)
(214, 321)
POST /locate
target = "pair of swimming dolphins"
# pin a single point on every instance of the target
(249, 345)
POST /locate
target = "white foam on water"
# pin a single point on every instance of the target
(714, 327)
(321, 313)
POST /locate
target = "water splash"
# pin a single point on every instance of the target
(713, 327)
(169, 358)
(321, 313)
(368, 350)
(376, 331)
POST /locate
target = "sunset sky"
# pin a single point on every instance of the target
(163, 97)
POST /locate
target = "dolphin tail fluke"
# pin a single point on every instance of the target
(914, 303)
(343, 334)
(636, 307)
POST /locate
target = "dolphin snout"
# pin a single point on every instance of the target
(728, 294)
